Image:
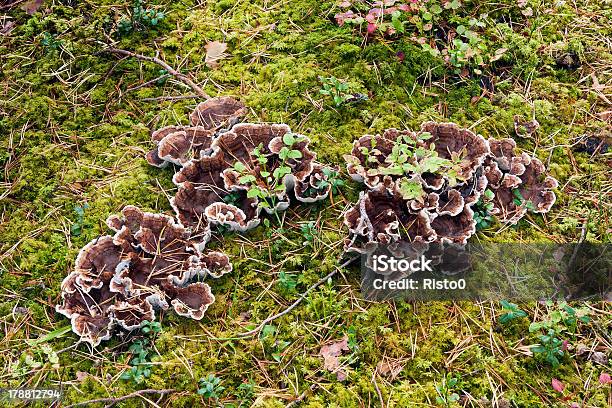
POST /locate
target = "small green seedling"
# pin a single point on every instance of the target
(210, 386)
(550, 348)
(336, 89)
(446, 391)
(512, 312)
(141, 18)
(287, 281)
(140, 364)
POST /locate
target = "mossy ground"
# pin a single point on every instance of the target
(74, 135)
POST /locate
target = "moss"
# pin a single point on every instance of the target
(74, 134)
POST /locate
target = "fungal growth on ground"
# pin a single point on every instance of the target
(228, 173)
(422, 186)
(177, 144)
(149, 263)
(231, 171)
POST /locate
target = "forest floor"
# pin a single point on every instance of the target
(75, 125)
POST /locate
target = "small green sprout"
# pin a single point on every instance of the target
(512, 312)
(210, 386)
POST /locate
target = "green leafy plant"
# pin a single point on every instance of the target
(279, 348)
(482, 210)
(210, 386)
(50, 42)
(550, 347)
(519, 200)
(332, 178)
(267, 184)
(309, 231)
(336, 89)
(287, 281)
(564, 319)
(409, 159)
(140, 363)
(447, 395)
(141, 18)
(77, 226)
(245, 393)
(512, 312)
(428, 23)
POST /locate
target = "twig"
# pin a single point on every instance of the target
(159, 78)
(297, 302)
(181, 77)
(170, 98)
(112, 401)
(10, 5)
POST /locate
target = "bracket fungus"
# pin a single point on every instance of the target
(177, 144)
(421, 186)
(147, 264)
(231, 171)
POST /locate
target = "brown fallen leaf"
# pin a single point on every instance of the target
(7, 27)
(604, 116)
(31, 6)
(330, 353)
(81, 376)
(390, 368)
(215, 51)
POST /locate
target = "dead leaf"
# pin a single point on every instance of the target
(599, 358)
(215, 51)
(331, 352)
(81, 375)
(7, 27)
(31, 6)
(389, 368)
(604, 116)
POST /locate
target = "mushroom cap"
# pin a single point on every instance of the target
(119, 280)
(522, 176)
(218, 112)
(212, 187)
(178, 144)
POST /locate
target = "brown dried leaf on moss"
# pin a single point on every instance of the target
(331, 352)
(215, 51)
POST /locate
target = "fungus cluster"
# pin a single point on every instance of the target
(149, 263)
(422, 186)
(229, 172)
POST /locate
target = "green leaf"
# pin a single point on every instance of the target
(433, 164)
(288, 139)
(295, 154)
(239, 167)
(253, 193)
(247, 178)
(411, 190)
(280, 172)
(284, 153)
(50, 336)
